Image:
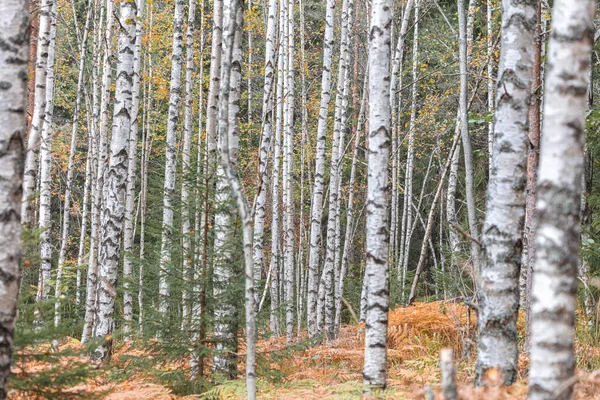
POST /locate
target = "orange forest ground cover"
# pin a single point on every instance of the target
(416, 335)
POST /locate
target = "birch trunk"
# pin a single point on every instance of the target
(275, 236)
(101, 151)
(147, 147)
(317, 197)
(171, 160)
(39, 107)
(498, 295)
(14, 54)
(45, 222)
(375, 366)
(84, 217)
(328, 279)
(490, 77)
(200, 222)
(265, 145)
(395, 102)
(288, 213)
(67, 201)
(559, 201)
(116, 181)
(186, 186)
(464, 130)
(129, 228)
(407, 215)
(349, 212)
(228, 147)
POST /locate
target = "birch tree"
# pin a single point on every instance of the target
(464, 131)
(186, 187)
(317, 197)
(73, 148)
(116, 180)
(14, 34)
(288, 213)
(377, 232)
(558, 204)
(39, 106)
(498, 295)
(327, 279)
(265, 145)
(228, 142)
(128, 233)
(171, 159)
(101, 154)
(45, 222)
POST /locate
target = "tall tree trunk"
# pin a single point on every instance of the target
(332, 216)
(396, 101)
(533, 158)
(186, 186)
(45, 222)
(85, 206)
(211, 142)
(200, 219)
(407, 215)
(558, 203)
(129, 229)
(498, 295)
(101, 151)
(350, 211)
(228, 146)
(171, 161)
(39, 106)
(317, 196)
(14, 20)
(147, 146)
(288, 206)
(73, 149)
(116, 181)
(275, 223)
(265, 145)
(466, 140)
(377, 232)
(490, 77)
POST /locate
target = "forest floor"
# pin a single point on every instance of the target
(333, 371)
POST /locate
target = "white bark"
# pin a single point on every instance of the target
(265, 145)
(464, 129)
(559, 201)
(129, 228)
(275, 223)
(377, 232)
(395, 102)
(228, 146)
(14, 54)
(498, 295)
(349, 212)
(328, 279)
(101, 154)
(186, 186)
(115, 184)
(200, 223)
(147, 147)
(164, 288)
(37, 119)
(317, 197)
(407, 215)
(67, 200)
(288, 206)
(45, 222)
